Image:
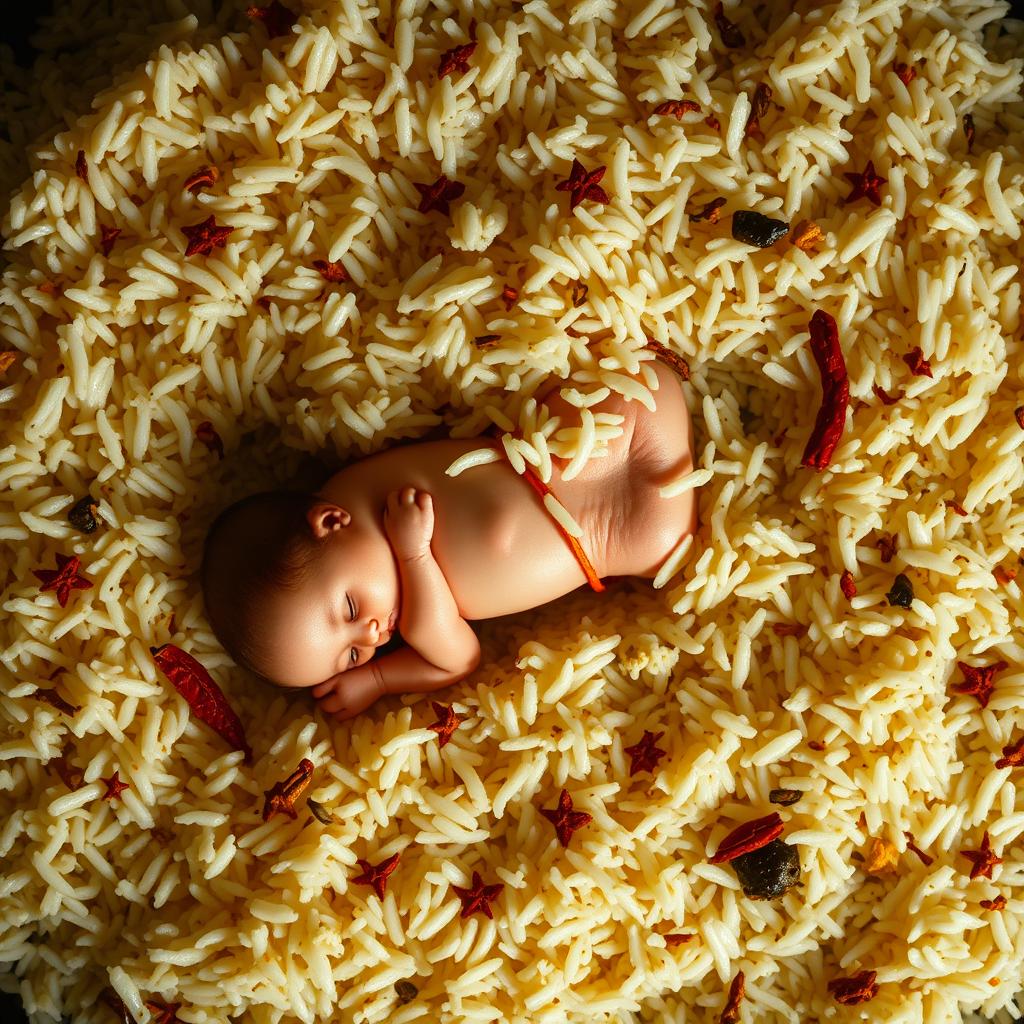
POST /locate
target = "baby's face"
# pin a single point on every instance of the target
(347, 609)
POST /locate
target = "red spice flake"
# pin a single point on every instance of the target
(281, 797)
(447, 722)
(583, 184)
(758, 108)
(789, 629)
(113, 1000)
(377, 876)
(7, 360)
(978, 680)
(919, 366)
(276, 18)
(956, 507)
(858, 989)
(835, 385)
(806, 235)
(70, 775)
(677, 108)
(479, 897)
(1004, 576)
(737, 990)
(712, 122)
(205, 177)
(108, 236)
(205, 237)
(565, 819)
(115, 787)
(673, 939)
(510, 296)
(884, 398)
(1018, 415)
(747, 837)
(333, 272)
(438, 194)
(55, 700)
(63, 579)
(911, 845)
(486, 341)
(163, 1013)
(206, 433)
(904, 72)
(1013, 755)
(646, 754)
(983, 860)
(456, 60)
(816, 745)
(579, 294)
(730, 33)
(968, 121)
(204, 696)
(49, 287)
(865, 185)
(82, 166)
(847, 585)
(997, 904)
(669, 358)
(887, 545)
(710, 211)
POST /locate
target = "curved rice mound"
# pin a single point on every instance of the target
(751, 666)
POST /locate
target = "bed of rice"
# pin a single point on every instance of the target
(319, 138)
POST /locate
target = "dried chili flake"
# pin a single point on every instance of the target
(1013, 755)
(438, 194)
(887, 545)
(108, 236)
(710, 211)
(677, 108)
(712, 122)
(205, 237)
(995, 904)
(509, 296)
(883, 397)
(565, 819)
(204, 696)
(919, 366)
(673, 939)
(7, 360)
(205, 177)
(447, 722)
(583, 184)
(982, 860)
(755, 228)
(456, 60)
(728, 30)
(115, 787)
(479, 897)
(737, 990)
(904, 72)
(806, 235)
(486, 341)
(163, 1013)
(114, 1001)
(82, 166)
(835, 385)
(925, 858)
(858, 989)
(789, 629)
(645, 755)
(320, 812)
(669, 358)
(82, 515)
(49, 287)
(333, 272)
(784, 797)
(579, 294)
(901, 593)
(406, 991)
(848, 585)
(882, 858)
(63, 579)
(207, 434)
(769, 872)
(1018, 415)
(55, 700)
(816, 745)
(281, 797)
(978, 680)
(866, 184)
(750, 836)
(377, 876)
(276, 18)
(1004, 576)
(968, 121)
(758, 108)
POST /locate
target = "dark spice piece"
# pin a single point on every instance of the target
(969, 131)
(509, 296)
(456, 60)
(82, 166)
(730, 33)
(816, 745)
(806, 235)
(115, 787)
(63, 579)
(333, 272)
(956, 507)
(438, 194)
(669, 358)
(919, 366)
(997, 904)
(579, 294)
(737, 990)
(677, 108)
(789, 629)
(478, 898)
(583, 184)
(447, 722)
(757, 229)
(565, 819)
(758, 108)
(712, 122)
(205, 237)
(925, 858)
(785, 797)
(1013, 755)
(114, 1001)
(281, 797)
(1003, 575)
(206, 433)
(377, 876)
(978, 681)
(163, 1013)
(904, 72)
(646, 754)
(55, 700)
(205, 177)
(770, 872)
(858, 989)
(866, 184)
(320, 812)
(748, 837)
(82, 515)
(108, 236)
(983, 860)
(901, 593)
(887, 545)
(673, 939)
(1018, 415)
(71, 775)
(485, 341)
(847, 585)
(835, 387)
(406, 992)
(710, 210)
(885, 399)
(276, 18)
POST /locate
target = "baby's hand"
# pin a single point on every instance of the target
(346, 694)
(409, 522)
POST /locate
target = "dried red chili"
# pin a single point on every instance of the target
(956, 507)
(671, 359)
(447, 722)
(737, 990)
(969, 132)
(276, 18)
(978, 680)
(55, 700)
(281, 797)
(995, 904)
(1018, 415)
(904, 72)
(806, 235)
(115, 787)
(750, 836)
(866, 184)
(205, 237)
(509, 296)
(835, 386)
(456, 60)
(677, 108)
(789, 629)
(919, 366)
(486, 341)
(925, 858)
(82, 515)
(479, 897)
(847, 585)
(858, 989)
(108, 236)
(1003, 575)
(886, 399)
(7, 360)
(333, 272)
(82, 166)
(710, 211)
(712, 122)
(438, 194)
(645, 755)
(163, 1013)
(887, 545)
(206, 433)
(204, 696)
(729, 31)
(583, 184)
(1013, 755)
(205, 177)
(377, 876)
(63, 579)
(565, 819)
(982, 860)
(673, 939)
(579, 294)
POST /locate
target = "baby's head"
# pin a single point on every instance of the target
(296, 590)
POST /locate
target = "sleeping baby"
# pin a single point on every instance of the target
(305, 589)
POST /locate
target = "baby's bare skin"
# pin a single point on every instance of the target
(431, 552)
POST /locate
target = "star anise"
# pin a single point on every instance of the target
(115, 787)
(983, 860)
(565, 819)
(64, 579)
(646, 754)
(456, 60)
(377, 876)
(479, 897)
(919, 366)
(439, 194)
(978, 680)
(447, 722)
(865, 185)
(205, 237)
(583, 184)
(677, 108)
